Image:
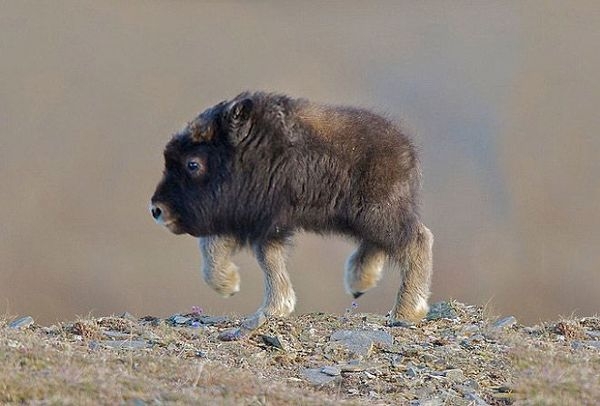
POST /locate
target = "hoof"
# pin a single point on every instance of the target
(234, 334)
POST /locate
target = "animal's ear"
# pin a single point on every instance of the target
(240, 111)
(239, 120)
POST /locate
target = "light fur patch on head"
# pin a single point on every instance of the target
(201, 130)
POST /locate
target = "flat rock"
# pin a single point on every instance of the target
(360, 342)
(441, 310)
(587, 343)
(316, 377)
(331, 370)
(357, 343)
(505, 322)
(353, 366)
(116, 334)
(212, 320)
(125, 344)
(22, 322)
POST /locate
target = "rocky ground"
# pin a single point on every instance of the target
(457, 356)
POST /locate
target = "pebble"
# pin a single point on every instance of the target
(331, 370)
(128, 316)
(412, 372)
(397, 361)
(505, 322)
(177, 319)
(273, 341)
(441, 310)
(476, 398)
(22, 322)
(369, 375)
(402, 323)
(435, 401)
(455, 375)
(316, 377)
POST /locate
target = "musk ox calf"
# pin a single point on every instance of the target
(254, 170)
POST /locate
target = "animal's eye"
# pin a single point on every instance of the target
(194, 166)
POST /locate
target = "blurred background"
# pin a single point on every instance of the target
(501, 97)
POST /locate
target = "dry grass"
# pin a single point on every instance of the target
(81, 362)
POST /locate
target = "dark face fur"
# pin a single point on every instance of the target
(193, 194)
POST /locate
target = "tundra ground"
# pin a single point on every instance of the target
(458, 356)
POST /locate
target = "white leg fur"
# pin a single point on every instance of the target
(363, 269)
(280, 298)
(217, 269)
(416, 267)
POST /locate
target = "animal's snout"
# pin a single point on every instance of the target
(160, 213)
(156, 212)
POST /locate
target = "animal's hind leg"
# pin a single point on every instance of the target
(416, 267)
(363, 269)
(217, 269)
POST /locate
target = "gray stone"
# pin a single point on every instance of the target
(435, 401)
(125, 344)
(505, 322)
(22, 322)
(397, 361)
(378, 336)
(472, 384)
(360, 342)
(369, 375)
(593, 334)
(180, 319)
(401, 323)
(441, 310)
(128, 316)
(273, 341)
(212, 320)
(576, 345)
(473, 397)
(331, 370)
(116, 334)
(353, 366)
(412, 371)
(316, 377)
(455, 375)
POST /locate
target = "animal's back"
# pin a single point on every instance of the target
(357, 169)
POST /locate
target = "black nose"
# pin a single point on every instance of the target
(156, 212)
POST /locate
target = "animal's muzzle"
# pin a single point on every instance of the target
(160, 213)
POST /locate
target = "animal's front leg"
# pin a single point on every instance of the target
(217, 269)
(279, 298)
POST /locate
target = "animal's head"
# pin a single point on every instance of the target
(198, 180)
